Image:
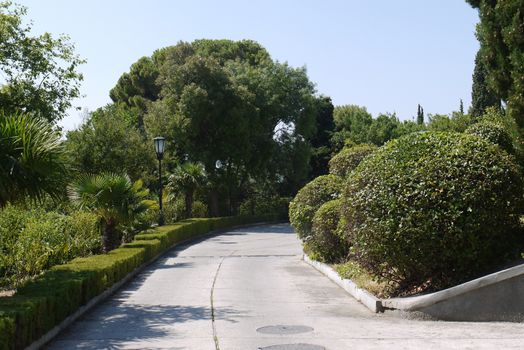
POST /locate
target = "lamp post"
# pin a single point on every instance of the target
(160, 143)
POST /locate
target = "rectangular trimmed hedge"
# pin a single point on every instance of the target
(46, 301)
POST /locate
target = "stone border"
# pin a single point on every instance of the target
(494, 297)
(362, 295)
(46, 338)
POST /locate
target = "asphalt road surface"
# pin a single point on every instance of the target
(248, 288)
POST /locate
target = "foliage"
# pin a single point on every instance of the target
(114, 198)
(311, 197)
(39, 72)
(347, 160)
(457, 122)
(355, 126)
(420, 115)
(430, 210)
(501, 36)
(44, 303)
(324, 242)
(264, 205)
(32, 241)
(352, 122)
(481, 96)
(321, 141)
(31, 159)
(185, 180)
(220, 103)
(108, 142)
(494, 133)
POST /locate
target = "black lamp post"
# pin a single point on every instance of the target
(160, 143)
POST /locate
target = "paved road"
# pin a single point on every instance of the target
(219, 294)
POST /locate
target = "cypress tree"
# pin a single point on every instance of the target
(481, 96)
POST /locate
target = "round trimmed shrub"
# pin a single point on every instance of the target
(307, 201)
(430, 210)
(494, 133)
(324, 244)
(348, 159)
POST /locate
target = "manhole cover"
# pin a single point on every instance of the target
(282, 329)
(293, 347)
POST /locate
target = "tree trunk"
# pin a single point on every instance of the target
(214, 203)
(109, 239)
(189, 204)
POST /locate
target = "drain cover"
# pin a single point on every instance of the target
(281, 329)
(293, 347)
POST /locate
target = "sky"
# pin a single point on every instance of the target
(388, 56)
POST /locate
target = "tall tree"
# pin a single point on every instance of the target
(321, 140)
(220, 103)
(420, 115)
(501, 37)
(39, 72)
(481, 96)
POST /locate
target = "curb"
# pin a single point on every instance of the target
(496, 297)
(362, 295)
(46, 338)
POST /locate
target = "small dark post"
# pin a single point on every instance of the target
(160, 143)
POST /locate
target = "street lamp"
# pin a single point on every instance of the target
(160, 144)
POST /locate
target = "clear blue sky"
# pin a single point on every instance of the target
(385, 55)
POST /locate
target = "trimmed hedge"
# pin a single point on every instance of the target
(325, 243)
(347, 160)
(431, 210)
(45, 302)
(494, 133)
(307, 201)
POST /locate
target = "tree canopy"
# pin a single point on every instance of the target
(39, 73)
(227, 105)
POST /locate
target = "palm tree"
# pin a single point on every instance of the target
(186, 179)
(114, 198)
(31, 159)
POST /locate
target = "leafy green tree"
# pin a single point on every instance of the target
(107, 142)
(352, 123)
(114, 198)
(481, 96)
(221, 103)
(32, 162)
(39, 72)
(501, 36)
(186, 180)
(457, 122)
(383, 129)
(321, 141)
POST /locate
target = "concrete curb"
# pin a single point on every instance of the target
(494, 297)
(362, 295)
(423, 301)
(46, 338)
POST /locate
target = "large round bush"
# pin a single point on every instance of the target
(348, 159)
(324, 243)
(494, 133)
(307, 201)
(429, 210)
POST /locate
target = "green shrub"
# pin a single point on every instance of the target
(430, 210)
(34, 240)
(307, 201)
(348, 159)
(494, 133)
(43, 303)
(200, 210)
(264, 205)
(325, 244)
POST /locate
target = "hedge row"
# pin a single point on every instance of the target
(45, 302)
